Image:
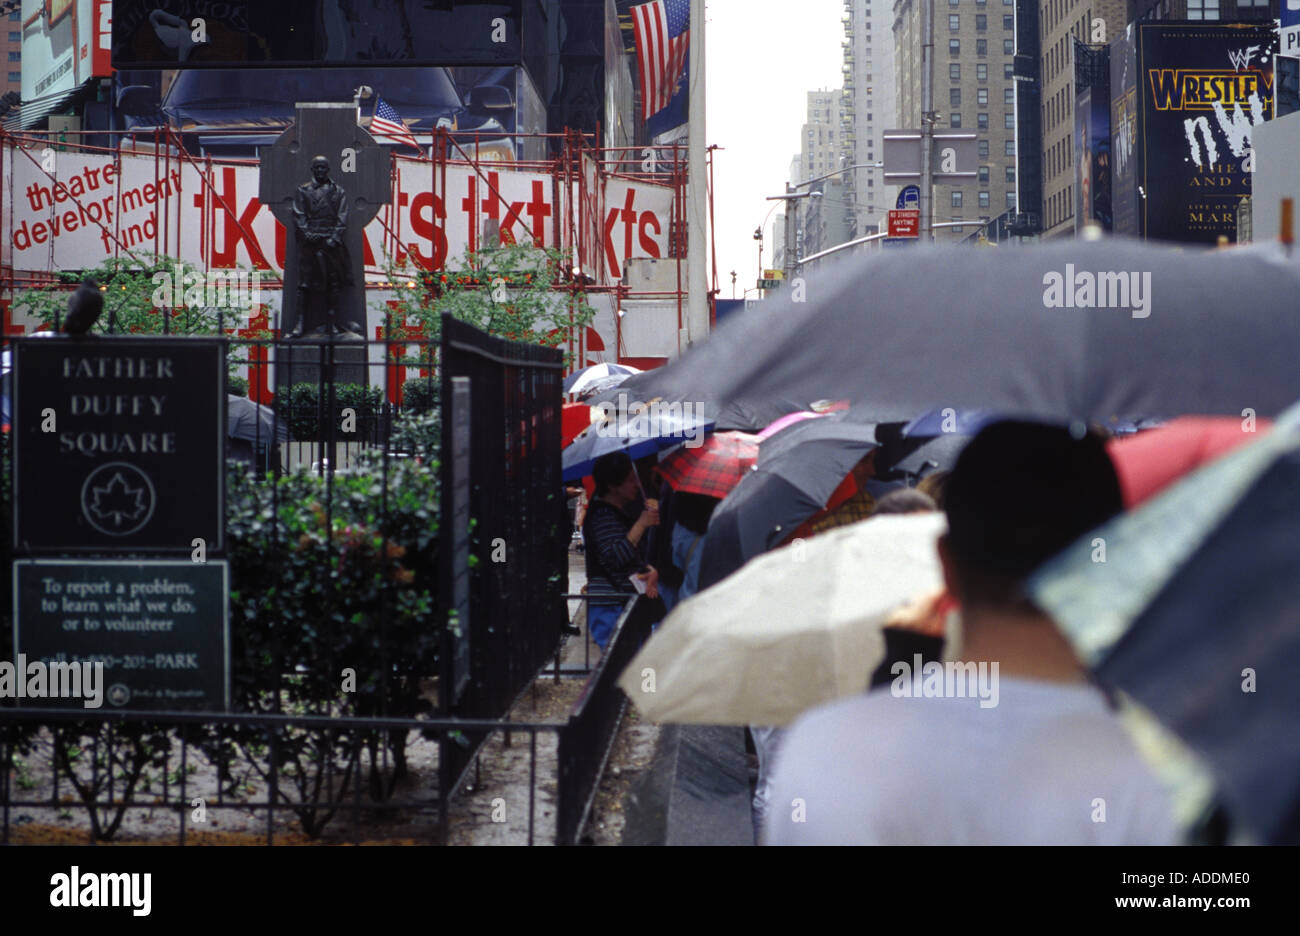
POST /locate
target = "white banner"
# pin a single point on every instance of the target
(71, 211)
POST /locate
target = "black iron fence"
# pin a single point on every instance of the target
(342, 652)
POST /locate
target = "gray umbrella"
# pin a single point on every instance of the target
(1148, 330)
(254, 422)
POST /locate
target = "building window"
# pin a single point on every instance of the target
(1008, 47)
(981, 22)
(1008, 71)
(14, 17)
(1008, 23)
(1011, 147)
(954, 120)
(956, 199)
(981, 47)
(13, 57)
(1011, 200)
(954, 22)
(984, 175)
(952, 2)
(954, 72)
(954, 47)
(982, 121)
(984, 149)
(954, 97)
(15, 37)
(1009, 121)
(1202, 9)
(1009, 96)
(15, 76)
(982, 97)
(982, 72)
(1011, 174)
(984, 199)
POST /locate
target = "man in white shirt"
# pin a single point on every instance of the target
(1013, 746)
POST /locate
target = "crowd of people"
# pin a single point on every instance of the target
(1049, 763)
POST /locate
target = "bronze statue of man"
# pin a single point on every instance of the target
(320, 217)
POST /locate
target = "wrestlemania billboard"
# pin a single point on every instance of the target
(1200, 88)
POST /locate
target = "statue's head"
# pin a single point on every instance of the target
(320, 168)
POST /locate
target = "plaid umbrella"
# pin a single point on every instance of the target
(713, 468)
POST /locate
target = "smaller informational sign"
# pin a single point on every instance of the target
(460, 541)
(159, 629)
(892, 242)
(904, 222)
(1289, 11)
(774, 274)
(118, 444)
(769, 283)
(909, 197)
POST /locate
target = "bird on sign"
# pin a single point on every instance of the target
(84, 308)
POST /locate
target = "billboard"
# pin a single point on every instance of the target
(1202, 89)
(1124, 181)
(231, 112)
(238, 33)
(65, 44)
(1092, 160)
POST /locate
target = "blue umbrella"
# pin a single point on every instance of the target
(652, 430)
(1194, 616)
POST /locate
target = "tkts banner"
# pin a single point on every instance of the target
(71, 210)
(1202, 89)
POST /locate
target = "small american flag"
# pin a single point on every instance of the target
(386, 122)
(663, 35)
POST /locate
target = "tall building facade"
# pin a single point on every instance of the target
(825, 220)
(974, 91)
(1061, 24)
(11, 44)
(870, 102)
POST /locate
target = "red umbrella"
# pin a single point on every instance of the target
(574, 417)
(713, 468)
(1152, 460)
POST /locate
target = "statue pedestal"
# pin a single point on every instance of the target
(300, 361)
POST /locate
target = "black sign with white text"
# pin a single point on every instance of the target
(118, 444)
(160, 628)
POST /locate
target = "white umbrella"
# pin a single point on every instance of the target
(794, 628)
(582, 380)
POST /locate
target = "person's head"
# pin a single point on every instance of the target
(1020, 493)
(693, 511)
(615, 478)
(904, 501)
(320, 168)
(933, 484)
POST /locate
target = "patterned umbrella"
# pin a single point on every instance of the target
(713, 468)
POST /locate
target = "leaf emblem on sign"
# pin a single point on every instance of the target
(117, 502)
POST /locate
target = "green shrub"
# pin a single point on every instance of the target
(299, 407)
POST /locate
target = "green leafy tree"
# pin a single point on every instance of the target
(139, 298)
(516, 292)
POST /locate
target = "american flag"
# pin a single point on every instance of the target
(663, 35)
(386, 122)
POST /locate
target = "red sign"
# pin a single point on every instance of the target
(905, 222)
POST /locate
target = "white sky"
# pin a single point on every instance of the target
(762, 58)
